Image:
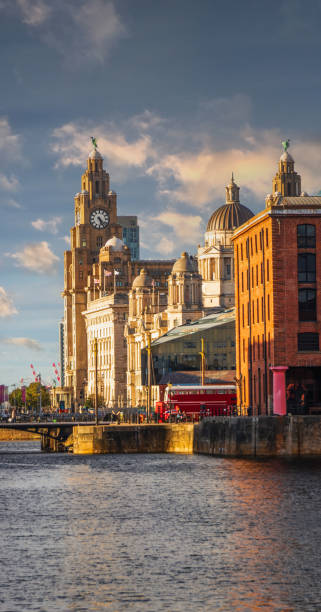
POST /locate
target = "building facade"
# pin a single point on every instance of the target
(216, 257)
(130, 234)
(278, 297)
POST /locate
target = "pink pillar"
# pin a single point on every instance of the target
(279, 392)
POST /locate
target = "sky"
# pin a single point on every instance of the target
(178, 94)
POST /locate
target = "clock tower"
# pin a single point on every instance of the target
(95, 223)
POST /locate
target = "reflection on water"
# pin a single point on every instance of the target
(157, 532)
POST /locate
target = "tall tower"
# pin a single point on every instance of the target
(286, 181)
(95, 223)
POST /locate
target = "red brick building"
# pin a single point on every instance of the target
(278, 300)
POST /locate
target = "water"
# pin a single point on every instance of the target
(157, 532)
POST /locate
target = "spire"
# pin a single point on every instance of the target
(286, 181)
(232, 192)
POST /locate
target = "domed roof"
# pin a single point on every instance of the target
(116, 243)
(95, 154)
(184, 264)
(232, 214)
(142, 280)
(229, 216)
(286, 157)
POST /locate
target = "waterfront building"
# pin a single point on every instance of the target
(278, 297)
(216, 257)
(99, 271)
(153, 310)
(130, 234)
(176, 354)
(95, 223)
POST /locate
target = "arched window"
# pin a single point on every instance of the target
(306, 236)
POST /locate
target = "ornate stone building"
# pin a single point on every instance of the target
(95, 223)
(98, 275)
(152, 312)
(215, 258)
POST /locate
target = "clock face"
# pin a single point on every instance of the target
(99, 218)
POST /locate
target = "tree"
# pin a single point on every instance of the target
(15, 398)
(32, 396)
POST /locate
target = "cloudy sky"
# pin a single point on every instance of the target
(178, 94)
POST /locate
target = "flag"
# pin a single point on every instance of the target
(107, 273)
(116, 272)
(96, 281)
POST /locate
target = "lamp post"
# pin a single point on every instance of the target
(96, 379)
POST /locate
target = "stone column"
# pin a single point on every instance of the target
(279, 391)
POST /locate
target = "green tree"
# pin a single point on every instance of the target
(32, 395)
(15, 398)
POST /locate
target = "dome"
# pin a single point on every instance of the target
(143, 280)
(95, 154)
(116, 243)
(229, 216)
(286, 157)
(184, 264)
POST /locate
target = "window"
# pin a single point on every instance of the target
(307, 305)
(257, 275)
(257, 311)
(268, 304)
(97, 186)
(81, 275)
(242, 315)
(83, 243)
(308, 342)
(255, 243)
(306, 268)
(267, 237)
(242, 282)
(306, 236)
(227, 268)
(241, 252)
(99, 241)
(267, 270)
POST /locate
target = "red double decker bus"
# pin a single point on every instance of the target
(193, 402)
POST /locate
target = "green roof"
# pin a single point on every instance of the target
(201, 325)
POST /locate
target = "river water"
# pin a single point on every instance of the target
(157, 532)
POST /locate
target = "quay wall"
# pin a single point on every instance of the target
(162, 438)
(13, 435)
(264, 436)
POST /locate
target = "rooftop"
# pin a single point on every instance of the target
(201, 325)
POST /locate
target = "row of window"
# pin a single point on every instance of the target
(256, 276)
(307, 342)
(306, 239)
(306, 272)
(254, 244)
(257, 311)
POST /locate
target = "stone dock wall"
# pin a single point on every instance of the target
(12, 435)
(226, 437)
(264, 436)
(168, 438)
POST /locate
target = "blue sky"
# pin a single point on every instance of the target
(178, 94)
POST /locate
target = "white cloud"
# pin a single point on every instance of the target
(13, 203)
(36, 257)
(9, 183)
(100, 26)
(33, 12)
(81, 31)
(71, 143)
(10, 143)
(50, 226)
(23, 342)
(170, 232)
(7, 308)
(66, 239)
